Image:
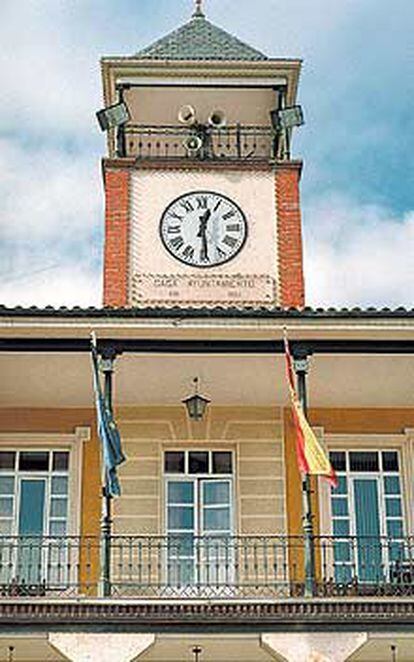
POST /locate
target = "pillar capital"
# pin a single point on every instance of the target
(108, 357)
(301, 364)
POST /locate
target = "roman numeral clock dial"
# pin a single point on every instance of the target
(203, 229)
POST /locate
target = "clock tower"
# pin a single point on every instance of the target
(202, 195)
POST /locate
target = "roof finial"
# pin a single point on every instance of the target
(198, 11)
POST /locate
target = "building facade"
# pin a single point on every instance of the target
(203, 556)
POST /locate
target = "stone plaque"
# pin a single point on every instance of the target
(205, 289)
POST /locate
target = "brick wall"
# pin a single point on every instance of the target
(292, 290)
(116, 259)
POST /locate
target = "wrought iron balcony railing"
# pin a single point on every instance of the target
(235, 143)
(184, 566)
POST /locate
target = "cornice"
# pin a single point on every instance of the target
(226, 616)
(184, 165)
(243, 65)
(354, 315)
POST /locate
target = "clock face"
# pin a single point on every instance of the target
(203, 229)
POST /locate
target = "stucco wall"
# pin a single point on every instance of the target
(160, 105)
(254, 435)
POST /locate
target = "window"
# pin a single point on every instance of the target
(34, 490)
(366, 504)
(34, 502)
(199, 515)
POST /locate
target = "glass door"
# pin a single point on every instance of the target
(216, 528)
(181, 531)
(199, 527)
(367, 529)
(31, 526)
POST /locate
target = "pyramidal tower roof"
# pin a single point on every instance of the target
(198, 39)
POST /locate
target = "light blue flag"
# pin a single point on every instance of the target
(107, 430)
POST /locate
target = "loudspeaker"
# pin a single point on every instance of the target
(217, 119)
(193, 144)
(187, 115)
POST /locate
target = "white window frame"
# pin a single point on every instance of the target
(378, 476)
(195, 477)
(71, 442)
(370, 442)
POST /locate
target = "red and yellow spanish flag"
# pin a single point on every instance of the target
(312, 458)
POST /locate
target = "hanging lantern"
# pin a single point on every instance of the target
(196, 404)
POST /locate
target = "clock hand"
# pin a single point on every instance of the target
(203, 223)
(202, 233)
(204, 249)
(204, 246)
(203, 237)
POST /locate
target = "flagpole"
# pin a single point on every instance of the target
(107, 367)
(301, 365)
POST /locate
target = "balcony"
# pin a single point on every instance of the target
(182, 567)
(231, 143)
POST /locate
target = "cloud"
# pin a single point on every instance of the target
(49, 61)
(69, 285)
(47, 81)
(357, 254)
(47, 193)
(51, 223)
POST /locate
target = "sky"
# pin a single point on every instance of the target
(357, 90)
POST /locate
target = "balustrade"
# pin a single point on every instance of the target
(186, 566)
(200, 143)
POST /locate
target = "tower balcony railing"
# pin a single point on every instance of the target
(202, 143)
(209, 567)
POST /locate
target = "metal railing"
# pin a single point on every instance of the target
(202, 566)
(48, 566)
(364, 565)
(186, 566)
(172, 142)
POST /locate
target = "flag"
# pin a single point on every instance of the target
(107, 430)
(312, 458)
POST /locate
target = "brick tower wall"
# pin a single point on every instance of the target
(116, 260)
(290, 245)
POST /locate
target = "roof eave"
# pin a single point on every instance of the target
(119, 59)
(217, 312)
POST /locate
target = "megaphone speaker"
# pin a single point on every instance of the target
(193, 144)
(187, 115)
(217, 119)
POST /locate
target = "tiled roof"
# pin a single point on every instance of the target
(168, 313)
(200, 40)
